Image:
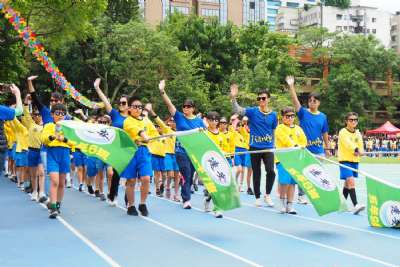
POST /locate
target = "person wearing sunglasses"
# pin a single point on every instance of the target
(58, 157)
(263, 122)
(314, 124)
(288, 135)
(350, 148)
(185, 120)
(117, 120)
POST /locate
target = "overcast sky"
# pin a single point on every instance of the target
(388, 5)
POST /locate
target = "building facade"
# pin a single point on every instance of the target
(395, 32)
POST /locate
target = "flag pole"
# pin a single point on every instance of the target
(262, 151)
(176, 134)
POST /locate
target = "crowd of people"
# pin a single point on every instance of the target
(39, 152)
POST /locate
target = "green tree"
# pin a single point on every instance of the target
(338, 3)
(122, 11)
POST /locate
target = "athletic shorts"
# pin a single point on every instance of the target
(21, 159)
(170, 163)
(346, 173)
(13, 151)
(243, 159)
(34, 158)
(140, 165)
(284, 177)
(58, 160)
(9, 153)
(100, 165)
(157, 163)
(79, 159)
(91, 166)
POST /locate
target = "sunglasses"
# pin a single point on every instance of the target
(214, 119)
(122, 103)
(102, 122)
(187, 106)
(137, 106)
(289, 116)
(223, 122)
(59, 113)
(36, 114)
(261, 98)
(353, 119)
(54, 100)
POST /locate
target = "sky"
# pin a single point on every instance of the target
(387, 5)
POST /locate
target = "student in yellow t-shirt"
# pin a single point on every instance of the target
(229, 140)
(21, 153)
(287, 135)
(11, 143)
(350, 147)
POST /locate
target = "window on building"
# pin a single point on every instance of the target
(252, 5)
(208, 12)
(368, 31)
(271, 20)
(374, 31)
(345, 28)
(339, 16)
(339, 28)
(291, 4)
(394, 27)
(274, 3)
(351, 28)
(180, 9)
(272, 11)
(373, 19)
(394, 38)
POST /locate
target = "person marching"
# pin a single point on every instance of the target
(349, 151)
(288, 135)
(263, 122)
(58, 157)
(314, 124)
(185, 120)
(245, 132)
(228, 146)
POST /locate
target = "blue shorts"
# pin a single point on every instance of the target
(284, 177)
(9, 153)
(157, 163)
(170, 163)
(140, 165)
(13, 152)
(346, 173)
(34, 158)
(100, 165)
(21, 159)
(79, 159)
(58, 160)
(243, 159)
(91, 166)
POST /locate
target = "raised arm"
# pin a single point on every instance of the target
(164, 96)
(102, 96)
(18, 107)
(293, 95)
(235, 106)
(35, 99)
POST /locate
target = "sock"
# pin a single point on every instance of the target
(345, 192)
(283, 202)
(53, 206)
(353, 196)
(289, 206)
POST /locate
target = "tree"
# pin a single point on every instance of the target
(343, 4)
(122, 11)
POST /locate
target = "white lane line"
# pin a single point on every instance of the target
(195, 239)
(85, 240)
(266, 229)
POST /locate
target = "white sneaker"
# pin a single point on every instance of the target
(218, 214)
(282, 206)
(207, 205)
(187, 205)
(358, 208)
(113, 203)
(268, 200)
(302, 200)
(290, 209)
(69, 184)
(34, 196)
(258, 202)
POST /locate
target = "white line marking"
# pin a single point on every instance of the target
(195, 239)
(89, 243)
(297, 238)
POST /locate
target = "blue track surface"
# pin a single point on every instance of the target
(91, 233)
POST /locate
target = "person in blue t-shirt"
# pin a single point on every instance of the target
(263, 122)
(314, 124)
(117, 120)
(186, 120)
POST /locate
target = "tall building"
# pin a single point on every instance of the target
(395, 32)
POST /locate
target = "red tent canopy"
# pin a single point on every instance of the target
(386, 128)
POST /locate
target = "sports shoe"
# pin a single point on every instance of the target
(268, 200)
(218, 214)
(34, 196)
(290, 209)
(207, 205)
(282, 205)
(158, 193)
(358, 208)
(14, 179)
(102, 197)
(258, 202)
(112, 203)
(143, 210)
(302, 200)
(250, 191)
(53, 213)
(90, 190)
(80, 188)
(161, 190)
(168, 194)
(42, 199)
(176, 198)
(132, 211)
(196, 187)
(97, 193)
(69, 184)
(187, 205)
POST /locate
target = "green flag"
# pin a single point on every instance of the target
(309, 174)
(109, 144)
(383, 203)
(213, 169)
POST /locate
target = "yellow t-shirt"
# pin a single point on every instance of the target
(229, 142)
(347, 143)
(134, 127)
(246, 135)
(218, 138)
(34, 129)
(169, 141)
(239, 140)
(10, 135)
(287, 136)
(50, 130)
(156, 147)
(21, 135)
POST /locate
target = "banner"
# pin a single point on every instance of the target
(38, 51)
(309, 174)
(109, 144)
(383, 203)
(213, 169)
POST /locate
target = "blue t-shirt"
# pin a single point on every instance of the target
(314, 126)
(262, 126)
(6, 113)
(117, 120)
(185, 124)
